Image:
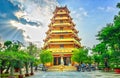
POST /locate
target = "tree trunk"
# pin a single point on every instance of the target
(36, 68)
(44, 68)
(31, 65)
(1, 67)
(1, 70)
(20, 70)
(7, 71)
(20, 76)
(11, 71)
(27, 69)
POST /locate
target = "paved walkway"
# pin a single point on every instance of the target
(93, 74)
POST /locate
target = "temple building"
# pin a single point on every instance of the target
(61, 37)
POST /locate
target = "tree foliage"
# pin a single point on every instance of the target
(79, 55)
(118, 5)
(46, 56)
(109, 38)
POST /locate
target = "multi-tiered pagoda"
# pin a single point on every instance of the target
(62, 37)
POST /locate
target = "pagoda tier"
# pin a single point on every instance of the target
(62, 36)
(66, 35)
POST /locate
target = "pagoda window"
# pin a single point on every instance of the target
(61, 36)
(61, 21)
(61, 45)
(61, 28)
(61, 16)
(61, 10)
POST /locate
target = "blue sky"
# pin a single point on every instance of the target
(28, 20)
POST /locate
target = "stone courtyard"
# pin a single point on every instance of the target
(92, 74)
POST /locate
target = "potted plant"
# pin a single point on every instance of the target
(17, 66)
(116, 61)
(117, 69)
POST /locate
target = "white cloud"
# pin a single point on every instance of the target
(83, 11)
(39, 11)
(107, 9)
(19, 14)
(30, 33)
(79, 14)
(110, 9)
(101, 8)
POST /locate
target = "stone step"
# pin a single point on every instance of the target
(62, 68)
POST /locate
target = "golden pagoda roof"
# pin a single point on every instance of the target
(58, 8)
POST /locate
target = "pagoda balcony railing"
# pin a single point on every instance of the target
(58, 40)
(57, 32)
(63, 43)
(62, 24)
(61, 13)
(60, 18)
(63, 31)
(61, 49)
(60, 31)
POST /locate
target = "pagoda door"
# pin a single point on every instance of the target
(67, 60)
(59, 60)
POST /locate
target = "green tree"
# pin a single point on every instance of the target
(97, 58)
(99, 48)
(46, 56)
(7, 44)
(110, 36)
(32, 51)
(80, 55)
(118, 5)
(13, 56)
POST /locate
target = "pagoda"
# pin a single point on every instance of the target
(61, 37)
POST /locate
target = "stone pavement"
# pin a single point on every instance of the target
(93, 74)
